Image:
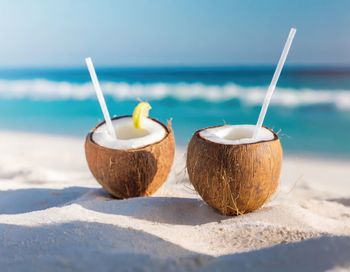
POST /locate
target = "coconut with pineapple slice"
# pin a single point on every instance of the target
(136, 162)
(129, 156)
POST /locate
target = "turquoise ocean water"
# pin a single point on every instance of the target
(310, 108)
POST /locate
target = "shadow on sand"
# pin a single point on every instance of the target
(29, 200)
(169, 210)
(343, 201)
(320, 254)
(86, 246)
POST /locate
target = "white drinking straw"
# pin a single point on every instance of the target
(100, 97)
(273, 83)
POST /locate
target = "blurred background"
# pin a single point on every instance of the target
(200, 63)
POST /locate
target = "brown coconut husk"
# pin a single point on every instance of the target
(133, 172)
(234, 179)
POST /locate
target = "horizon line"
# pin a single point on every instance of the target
(184, 67)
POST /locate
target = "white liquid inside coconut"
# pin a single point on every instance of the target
(129, 137)
(235, 134)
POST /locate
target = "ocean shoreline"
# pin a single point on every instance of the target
(309, 155)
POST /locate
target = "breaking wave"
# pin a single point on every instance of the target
(41, 89)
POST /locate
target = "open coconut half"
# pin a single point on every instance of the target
(137, 162)
(232, 172)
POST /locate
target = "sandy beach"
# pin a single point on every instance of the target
(55, 217)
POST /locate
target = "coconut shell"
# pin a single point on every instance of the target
(234, 179)
(133, 172)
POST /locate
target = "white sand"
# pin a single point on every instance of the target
(55, 217)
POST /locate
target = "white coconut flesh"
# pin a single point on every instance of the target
(129, 137)
(235, 134)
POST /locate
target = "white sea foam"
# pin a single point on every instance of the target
(42, 89)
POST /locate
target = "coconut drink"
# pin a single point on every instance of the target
(130, 156)
(232, 172)
(236, 168)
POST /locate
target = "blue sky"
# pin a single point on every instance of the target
(165, 32)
